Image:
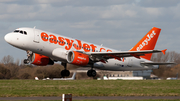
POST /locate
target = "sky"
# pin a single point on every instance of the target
(117, 24)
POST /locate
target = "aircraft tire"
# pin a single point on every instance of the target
(65, 73)
(91, 73)
(26, 61)
(62, 73)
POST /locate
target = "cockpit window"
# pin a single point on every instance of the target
(20, 31)
(25, 32)
(16, 31)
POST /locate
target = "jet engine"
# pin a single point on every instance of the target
(77, 58)
(39, 60)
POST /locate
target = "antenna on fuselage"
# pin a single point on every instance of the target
(34, 27)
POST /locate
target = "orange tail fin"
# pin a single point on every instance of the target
(148, 42)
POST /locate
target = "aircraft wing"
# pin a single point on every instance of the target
(121, 54)
(157, 63)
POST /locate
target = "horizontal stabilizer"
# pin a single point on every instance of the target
(157, 63)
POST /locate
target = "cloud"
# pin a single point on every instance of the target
(158, 3)
(118, 24)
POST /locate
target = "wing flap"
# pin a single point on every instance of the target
(121, 54)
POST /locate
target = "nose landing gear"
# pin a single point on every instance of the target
(29, 55)
(26, 61)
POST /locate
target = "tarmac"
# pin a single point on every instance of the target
(95, 98)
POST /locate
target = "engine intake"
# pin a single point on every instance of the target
(77, 58)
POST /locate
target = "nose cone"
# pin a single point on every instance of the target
(15, 39)
(7, 38)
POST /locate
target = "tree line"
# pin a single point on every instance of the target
(10, 69)
(165, 71)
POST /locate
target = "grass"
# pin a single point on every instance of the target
(29, 88)
(105, 100)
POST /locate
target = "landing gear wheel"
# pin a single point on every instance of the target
(65, 73)
(26, 61)
(91, 73)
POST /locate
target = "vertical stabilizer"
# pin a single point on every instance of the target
(148, 42)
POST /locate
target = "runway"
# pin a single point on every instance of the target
(94, 98)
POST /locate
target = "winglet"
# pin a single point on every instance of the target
(164, 51)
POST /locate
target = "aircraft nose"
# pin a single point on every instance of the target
(7, 38)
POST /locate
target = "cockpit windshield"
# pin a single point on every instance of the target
(20, 31)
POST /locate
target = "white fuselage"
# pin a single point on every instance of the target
(45, 44)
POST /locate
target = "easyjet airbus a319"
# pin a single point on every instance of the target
(44, 48)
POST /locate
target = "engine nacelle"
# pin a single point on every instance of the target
(77, 58)
(40, 60)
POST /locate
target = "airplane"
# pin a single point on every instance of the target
(72, 78)
(44, 48)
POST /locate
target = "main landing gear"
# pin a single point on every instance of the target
(65, 72)
(91, 72)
